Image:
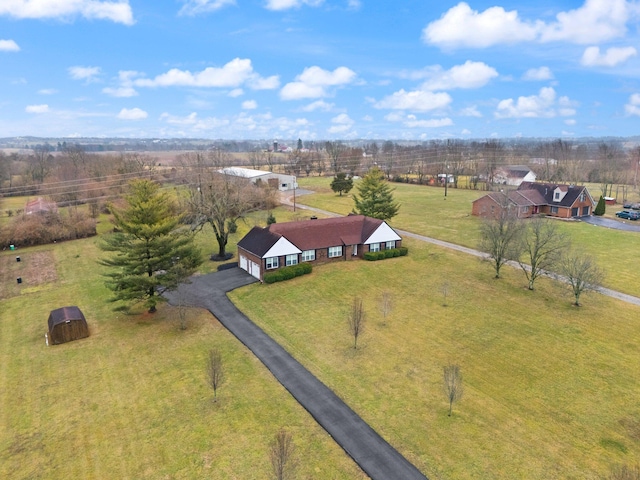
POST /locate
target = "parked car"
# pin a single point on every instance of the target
(629, 215)
(631, 205)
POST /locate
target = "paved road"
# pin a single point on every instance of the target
(626, 225)
(477, 253)
(371, 452)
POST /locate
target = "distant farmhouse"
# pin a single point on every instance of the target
(555, 200)
(276, 180)
(315, 241)
(513, 175)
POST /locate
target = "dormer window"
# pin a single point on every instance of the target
(556, 196)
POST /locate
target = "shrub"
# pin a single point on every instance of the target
(286, 273)
(42, 228)
(389, 253)
(271, 219)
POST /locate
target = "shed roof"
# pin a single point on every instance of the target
(64, 314)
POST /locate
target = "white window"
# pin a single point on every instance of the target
(308, 255)
(391, 244)
(554, 209)
(272, 262)
(335, 252)
(354, 251)
(582, 197)
(524, 209)
(557, 196)
(291, 259)
(374, 247)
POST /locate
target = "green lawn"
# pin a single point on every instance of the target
(131, 401)
(425, 211)
(550, 390)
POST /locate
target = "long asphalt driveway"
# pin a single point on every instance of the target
(370, 451)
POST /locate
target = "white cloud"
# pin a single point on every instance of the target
(633, 107)
(342, 119)
(354, 4)
(249, 105)
(120, 92)
(468, 75)
(538, 74)
(132, 114)
(47, 91)
(287, 4)
(462, 27)
(236, 92)
(314, 81)
(431, 123)
(338, 129)
(116, 11)
(9, 46)
(471, 112)
(595, 21)
(233, 74)
(190, 119)
(196, 7)
(88, 74)
(318, 105)
(37, 108)
(570, 121)
(612, 57)
(416, 100)
(543, 105)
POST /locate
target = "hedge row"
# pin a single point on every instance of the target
(382, 254)
(286, 273)
(42, 228)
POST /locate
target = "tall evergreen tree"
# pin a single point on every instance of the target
(153, 251)
(375, 197)
(341, 183)
(600, 207)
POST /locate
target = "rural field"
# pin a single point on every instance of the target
(550, 390)
(425, 211)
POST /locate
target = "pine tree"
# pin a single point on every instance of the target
(600, 207)
(153, 251)
(341, 183)
(375, 197)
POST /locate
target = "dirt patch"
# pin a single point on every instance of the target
(34, 268)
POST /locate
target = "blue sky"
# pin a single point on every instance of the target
(319, 69)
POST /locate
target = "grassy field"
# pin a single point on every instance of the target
(425, 211)
(550, 390)
(131, 401)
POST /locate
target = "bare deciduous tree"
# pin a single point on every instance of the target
(215, 371)
(355, 320)
(282, 456)
(445, 292)
(501, 235)
(453, 388)
(581, 273)
(542, 247)
(386, 305)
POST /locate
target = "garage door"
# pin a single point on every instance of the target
(243, 263)
(254, 269)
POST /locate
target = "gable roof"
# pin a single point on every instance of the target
(545, 190)
(39, 205)
(65, 314)
(515, 171)
(314, 234)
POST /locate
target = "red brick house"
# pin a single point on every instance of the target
(532, 198)
(316, 241)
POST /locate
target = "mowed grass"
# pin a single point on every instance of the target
(550, 389)
(425, 211)
(131, 401)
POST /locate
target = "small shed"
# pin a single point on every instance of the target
(67, 324)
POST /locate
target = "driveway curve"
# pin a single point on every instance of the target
(377, 458)
(627, 226)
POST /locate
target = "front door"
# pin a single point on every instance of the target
(355, 251)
